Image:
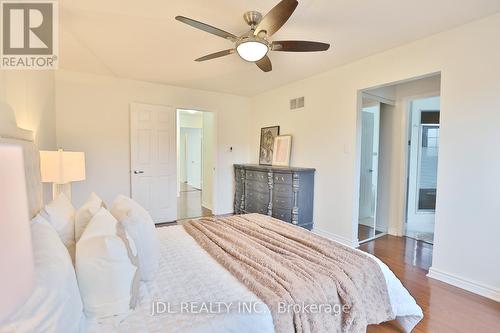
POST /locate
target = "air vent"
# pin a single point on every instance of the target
(297, 103)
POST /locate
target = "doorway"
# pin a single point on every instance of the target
(195, 137)
(370, 134)
(399, 126)
(423, 155)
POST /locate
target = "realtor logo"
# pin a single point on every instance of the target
(29, 35)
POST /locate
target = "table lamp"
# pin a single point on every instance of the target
(61, 168)
(16, 254)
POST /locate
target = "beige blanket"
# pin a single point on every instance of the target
(309, 283)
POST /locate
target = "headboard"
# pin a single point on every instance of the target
(11, 134)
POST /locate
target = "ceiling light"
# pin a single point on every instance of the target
(252, 49)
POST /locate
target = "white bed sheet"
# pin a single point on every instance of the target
(189, 274)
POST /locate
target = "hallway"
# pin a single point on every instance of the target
(189, 203)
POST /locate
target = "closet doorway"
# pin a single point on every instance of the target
(370, 133)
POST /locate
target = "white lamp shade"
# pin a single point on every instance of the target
(16, 254)
(62, 167)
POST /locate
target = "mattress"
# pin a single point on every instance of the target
(194, 293)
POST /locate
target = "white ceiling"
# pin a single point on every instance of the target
(141, 40)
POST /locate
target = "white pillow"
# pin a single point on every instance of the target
(85, 213)
(60, 213)
(55, 304)
(108, 280)
(140, 226)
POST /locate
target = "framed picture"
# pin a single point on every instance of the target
(282, 149)
(267, 136)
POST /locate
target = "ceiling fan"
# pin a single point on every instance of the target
(254, 45)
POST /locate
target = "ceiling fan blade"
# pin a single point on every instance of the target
(265, 64)
(216, 55)
(206, 27)
(276, 17)
(299, 46)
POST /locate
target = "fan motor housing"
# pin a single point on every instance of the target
(252, 18)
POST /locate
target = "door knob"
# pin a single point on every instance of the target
(137, 172)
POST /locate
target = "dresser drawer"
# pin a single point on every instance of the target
(252, 186)
(283, 214)
(282, 178)
(258, 176)
(282, 190)
(282, 202)
(254, 207)
(258, 198)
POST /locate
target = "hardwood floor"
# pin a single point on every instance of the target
(189, 203)
(446, 308)
(365, 232)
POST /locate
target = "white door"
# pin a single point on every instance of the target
(153, 160)
(194, 157)
(369, 167)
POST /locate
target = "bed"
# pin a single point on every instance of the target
(189, 276)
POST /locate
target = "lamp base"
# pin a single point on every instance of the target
(61, 188)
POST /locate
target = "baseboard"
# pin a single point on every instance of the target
(337, 238)
(223, 213)
(472, 286)
(207, 206)
(395, 232)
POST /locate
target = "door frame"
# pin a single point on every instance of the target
(406, 175)
(215, 154)
(375, 160)
(400, 228)
(357, 170)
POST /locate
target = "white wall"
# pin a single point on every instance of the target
(326, 136)
(93, 116)
(31, 95)
(388, 191)
(194, 154)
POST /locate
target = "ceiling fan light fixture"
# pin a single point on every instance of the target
(252, 49)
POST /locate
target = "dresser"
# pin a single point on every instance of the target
(285, 193)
